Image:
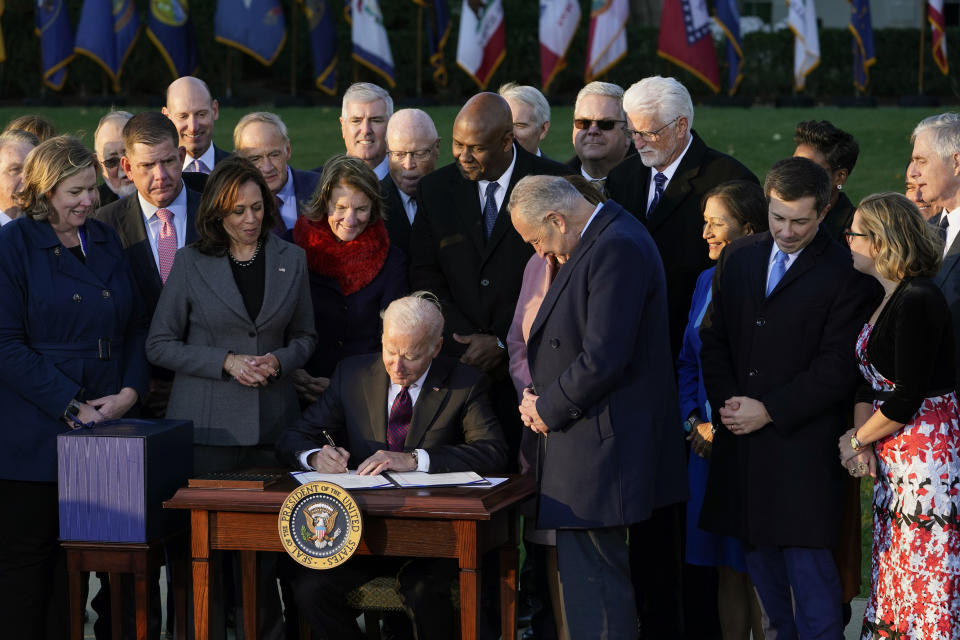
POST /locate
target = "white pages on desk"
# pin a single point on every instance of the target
(348, 480)
(421, 479)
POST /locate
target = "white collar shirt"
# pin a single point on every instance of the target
(503, 181)
(208, 158)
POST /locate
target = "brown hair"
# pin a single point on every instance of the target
(353, 173)
(46, 166)
(904, 243)
(37, 125)
(150, 128)
(219, 198)
(744, 200)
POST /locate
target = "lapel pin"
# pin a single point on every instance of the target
(282, 270)
(436, 388)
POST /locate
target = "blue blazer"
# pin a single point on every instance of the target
(599, 355)
(693, 395)
(56, 310)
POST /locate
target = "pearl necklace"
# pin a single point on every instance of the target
(247, 263)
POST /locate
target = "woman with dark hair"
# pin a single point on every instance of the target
(233, 322)
(836, 151)
(908, 438)
(731, 211)
(354, 271)
(71, 355)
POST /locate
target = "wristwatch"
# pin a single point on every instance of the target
(690, 424)
(72, 410)
(855, 443)
(416, 459)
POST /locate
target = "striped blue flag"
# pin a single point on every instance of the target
(56, 41)
(256, 27)
(728, 18)
(106, 33)
(371, 46)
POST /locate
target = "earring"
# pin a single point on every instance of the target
(839, 187)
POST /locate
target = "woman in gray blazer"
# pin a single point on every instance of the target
(233, 321)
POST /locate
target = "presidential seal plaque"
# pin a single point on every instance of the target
(320, 525)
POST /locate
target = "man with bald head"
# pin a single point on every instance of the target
(464, 248)
(108, 145)
(193, 111)
(413, 147)
(14, 147)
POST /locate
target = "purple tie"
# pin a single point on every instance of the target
(399, 421)
(660, 180)
(166, 243)
(200, 166)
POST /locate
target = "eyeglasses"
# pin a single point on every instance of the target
(651, 136)
(111, 163)
(850, 234)
(419, 155)
(603, 125)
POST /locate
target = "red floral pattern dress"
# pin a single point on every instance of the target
(916, 530)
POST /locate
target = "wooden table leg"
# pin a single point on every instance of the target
(469, 558)
(75, 579)
(200, 551)
(179, 578)
(248, 570)
(141, 590)
(116, 605)
(509, 559)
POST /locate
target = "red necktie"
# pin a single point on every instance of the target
(166, 243)
(399, 421)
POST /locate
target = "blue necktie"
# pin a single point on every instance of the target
(660, 180)
(490, 209)
(777, 269)
(942, 226)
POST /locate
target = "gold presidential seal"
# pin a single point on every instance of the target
(320, 525)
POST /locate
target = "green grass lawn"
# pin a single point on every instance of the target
(758, 136)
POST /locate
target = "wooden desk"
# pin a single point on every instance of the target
(453, 522)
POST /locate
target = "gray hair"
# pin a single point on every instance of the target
(259, 116)
(18, 136)
(665, 97)
(529, 96)
(364, 92)
(120, 116)
(417, 312)
(605, 89)
(945, 133)
(534, 196)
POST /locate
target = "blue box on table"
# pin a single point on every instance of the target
(114, 477)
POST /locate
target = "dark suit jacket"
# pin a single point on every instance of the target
(677, 223)
(948, 279)
(795, 352)
(201, 317)
(395, 216)
(126, 216)
(477, 281)
(304, 184)
(452, 418)
(600, 362)
(106, 194)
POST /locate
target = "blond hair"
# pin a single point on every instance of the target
(904, 244)
(48, 165)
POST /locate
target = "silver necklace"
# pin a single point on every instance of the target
(247, 263)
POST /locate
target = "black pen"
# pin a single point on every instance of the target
(329, 439)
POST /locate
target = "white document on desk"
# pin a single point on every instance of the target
(348, 480)
(420, 479)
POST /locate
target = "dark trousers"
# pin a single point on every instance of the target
(655, 562)
(799, 590)
(33, 568)
(424, 586)
(594, 567)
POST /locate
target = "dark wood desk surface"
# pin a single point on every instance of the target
(443, 522)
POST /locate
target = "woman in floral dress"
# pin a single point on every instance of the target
(906, 354)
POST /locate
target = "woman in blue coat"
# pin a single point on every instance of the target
(71, 352)
(730, 211)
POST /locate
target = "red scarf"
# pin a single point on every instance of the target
(353, 264)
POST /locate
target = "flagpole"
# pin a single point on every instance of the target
(293, 51)
(419, 50)
(923, 31)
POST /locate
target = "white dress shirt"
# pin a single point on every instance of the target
(423, 458)
(179, 209)
(289, 211)
(668, 171)
(4, 218)
(503, 181)
(953, 228)
(208, 158)
(382, 169)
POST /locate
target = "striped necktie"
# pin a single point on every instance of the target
(166, 243)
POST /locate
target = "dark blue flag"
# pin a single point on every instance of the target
(438, 32)
(170, 29)
(256, 27)
(322, 27)
(107, 33)
(728, 18)
(56, 41)
(863, 52)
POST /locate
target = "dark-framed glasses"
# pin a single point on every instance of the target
(603, 125)
(111, 163)
(850, 234)
(651, 136)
